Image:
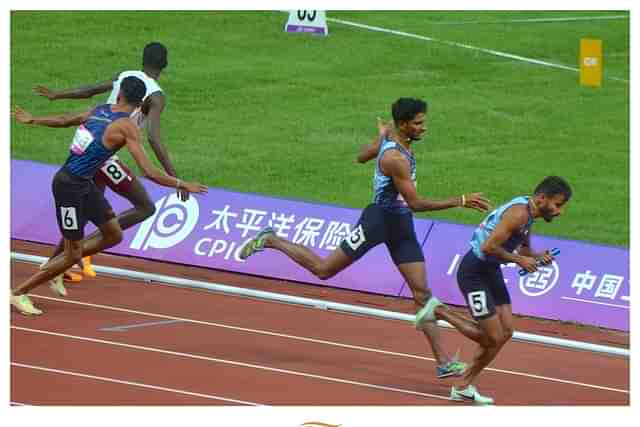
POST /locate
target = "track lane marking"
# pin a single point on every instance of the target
(135, 384)
(234, 363)
(324, 342)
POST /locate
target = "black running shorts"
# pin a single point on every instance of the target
(482, 286)
(78, 200)
(377, 225)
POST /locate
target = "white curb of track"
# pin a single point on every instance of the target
(327, 305)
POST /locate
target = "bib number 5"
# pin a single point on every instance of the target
(478, 303)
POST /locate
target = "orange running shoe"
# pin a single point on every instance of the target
(70, 276)
(87, 268)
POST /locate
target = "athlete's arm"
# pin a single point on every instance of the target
(512, 220)
(396, 166)
(58, 121)
(76, 93)
(155, 104)
(370, 151)
(132, 138)
(526, 250)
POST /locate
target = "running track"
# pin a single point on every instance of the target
(121, 342)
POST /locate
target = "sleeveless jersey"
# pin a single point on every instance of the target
(385, 193)
(150, 83)
(87, 152)
(481, 234)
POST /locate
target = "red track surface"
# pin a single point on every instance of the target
(198, 348)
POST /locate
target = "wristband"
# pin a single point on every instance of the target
(178, 183)
(463, 201)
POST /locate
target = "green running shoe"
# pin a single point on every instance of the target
(427, 313)
(455, 368)
(256, 244)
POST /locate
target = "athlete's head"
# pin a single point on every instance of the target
(132, 89)
(154, 56)
(550, 196)
(409, 117)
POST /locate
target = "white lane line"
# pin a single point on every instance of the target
(234, 363)
(596, 302)
(318, 341)
(135, 384)
(534, 20)
(464, 46)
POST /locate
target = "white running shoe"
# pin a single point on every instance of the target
(470, 394)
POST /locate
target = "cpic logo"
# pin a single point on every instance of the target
(540, 282)
(172, 223)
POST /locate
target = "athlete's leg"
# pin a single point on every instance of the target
(142, 208)
(322, 268)
(498, 329)
(55, 266)
(414, 273)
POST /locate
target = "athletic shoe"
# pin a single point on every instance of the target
(72, 277)
(470, 394)
(454, 368)
(23, 304)
(427, 313)
(87, 268)
(256, 244)
(57, 286)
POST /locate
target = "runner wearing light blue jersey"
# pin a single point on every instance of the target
(102, 131)
(503, 237)
(389, 220)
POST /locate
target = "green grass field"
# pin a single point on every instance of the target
(253, 109)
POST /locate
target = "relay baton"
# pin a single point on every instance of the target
(554, 252)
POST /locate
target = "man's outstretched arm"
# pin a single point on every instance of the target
(57, 121)
(75, 93)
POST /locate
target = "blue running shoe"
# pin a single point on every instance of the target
(454, 368)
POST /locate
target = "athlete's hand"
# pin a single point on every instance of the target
(528, 263)
(183, 195)
(546, 258)
(44, 91)
(384, 128)
(476, 201)
(21, 115)
(195, 187)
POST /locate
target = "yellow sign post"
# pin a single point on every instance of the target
(591, 62)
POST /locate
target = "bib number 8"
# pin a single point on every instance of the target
(478, 303)
(114, 171)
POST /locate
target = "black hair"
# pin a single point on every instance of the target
(553, 185)
(405, 109)
(154, 56)
(133, 90)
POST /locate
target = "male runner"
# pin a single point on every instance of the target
(102, 131)
(113, 173)
(503, 237)
(389, 220)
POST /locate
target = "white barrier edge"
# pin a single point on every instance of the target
(348, 308)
